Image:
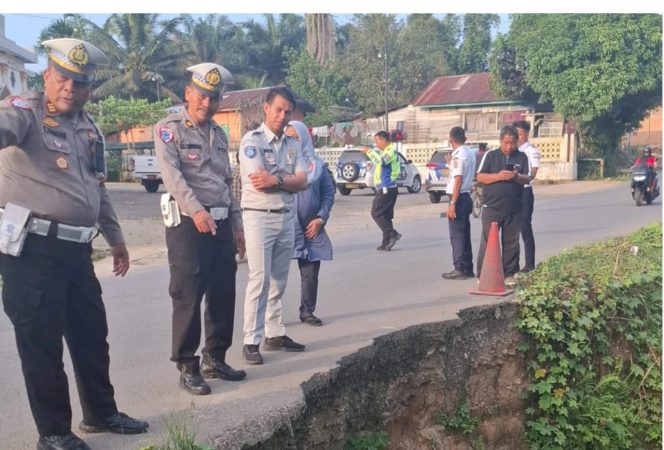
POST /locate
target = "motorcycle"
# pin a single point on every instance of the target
(644, 184)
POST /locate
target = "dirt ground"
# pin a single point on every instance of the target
(146, 244)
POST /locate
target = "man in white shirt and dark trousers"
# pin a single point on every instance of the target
(462, 172)
(534, 156)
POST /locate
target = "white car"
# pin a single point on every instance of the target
(356, 171)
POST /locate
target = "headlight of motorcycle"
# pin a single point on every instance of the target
(640, 178)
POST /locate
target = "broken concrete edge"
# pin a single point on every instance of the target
(277, 428)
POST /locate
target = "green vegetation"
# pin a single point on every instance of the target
(461, 420)
(592, 318)
(179, 433)
(604, 71)
(368, 441)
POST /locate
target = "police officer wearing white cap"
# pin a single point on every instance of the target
(52, 203)
(192, 151)
(272, 169)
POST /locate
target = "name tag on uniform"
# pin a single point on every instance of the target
(268, 155)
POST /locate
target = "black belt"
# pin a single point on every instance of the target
(278, 211)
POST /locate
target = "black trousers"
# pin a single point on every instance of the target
(201, 265)
(51, 291)
(308, 285)
(462, 247)
(509, 225)
(382, 211)
(527, 227)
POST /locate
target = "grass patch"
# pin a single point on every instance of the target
(180, 431)
(368, 441)
(592, 322)
(460, 421)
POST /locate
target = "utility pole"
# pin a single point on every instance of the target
(383, 54)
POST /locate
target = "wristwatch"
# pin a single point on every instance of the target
(280, 180)
(452, 202)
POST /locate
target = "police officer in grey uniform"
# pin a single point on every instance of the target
(192, 151)
(51, 164)
(462, 172)
(272, 168)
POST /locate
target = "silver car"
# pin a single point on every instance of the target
(356, 171)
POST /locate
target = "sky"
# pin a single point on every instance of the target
(24, 20)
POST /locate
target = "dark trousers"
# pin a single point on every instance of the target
(509, 225)
(382, 211)
(201, 265)
(308, 285)
(527, 227)
(462, 248)
(51, 291)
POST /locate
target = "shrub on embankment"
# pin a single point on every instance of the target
(592, 318)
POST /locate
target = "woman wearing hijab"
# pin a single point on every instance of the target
(312, 245)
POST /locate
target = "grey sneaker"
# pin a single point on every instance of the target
(282, 343)
(393, 240)
(510, 281)
(252, 355)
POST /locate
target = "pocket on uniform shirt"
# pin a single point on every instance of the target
(56, 144)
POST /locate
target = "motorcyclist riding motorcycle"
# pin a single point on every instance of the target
(651, 162)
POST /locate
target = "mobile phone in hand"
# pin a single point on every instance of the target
(512, 167)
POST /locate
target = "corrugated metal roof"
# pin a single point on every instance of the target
(241, 99)
(471, 88)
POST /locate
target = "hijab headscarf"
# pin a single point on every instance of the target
(314, 162)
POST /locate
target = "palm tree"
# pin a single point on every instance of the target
(144, 58)
(320, 37)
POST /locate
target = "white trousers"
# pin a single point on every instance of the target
(269, 238)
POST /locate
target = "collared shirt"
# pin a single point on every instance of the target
(462, 164)
(261, 148)
(194, 165)
(47, 165)
(533, 154)
(503, 196)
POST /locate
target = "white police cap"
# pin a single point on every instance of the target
(74, 58)
(209, 78)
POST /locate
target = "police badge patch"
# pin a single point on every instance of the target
(250, 152)
(291, 154)
(19, 103)
(166, 134)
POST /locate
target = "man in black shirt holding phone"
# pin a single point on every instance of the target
(503, 172)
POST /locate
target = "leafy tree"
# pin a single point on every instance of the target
(450, 39)
(264, 45)
(321, 85)
(420, 50)
(474, 50)
(602, 70)
(362, 61)
(114, 115)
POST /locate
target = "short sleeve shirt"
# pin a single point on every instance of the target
(261, 148)
(533, 154)
(462, 164)
(503, 196)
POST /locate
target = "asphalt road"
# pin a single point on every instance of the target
(363, 294)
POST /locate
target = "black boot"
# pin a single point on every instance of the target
(191, 379)
(214, 367)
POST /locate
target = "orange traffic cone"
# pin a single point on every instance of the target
(492, 280)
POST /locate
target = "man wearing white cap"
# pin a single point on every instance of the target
(192, 151)
(52, 204)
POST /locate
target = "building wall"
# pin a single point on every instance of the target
(649, 132)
